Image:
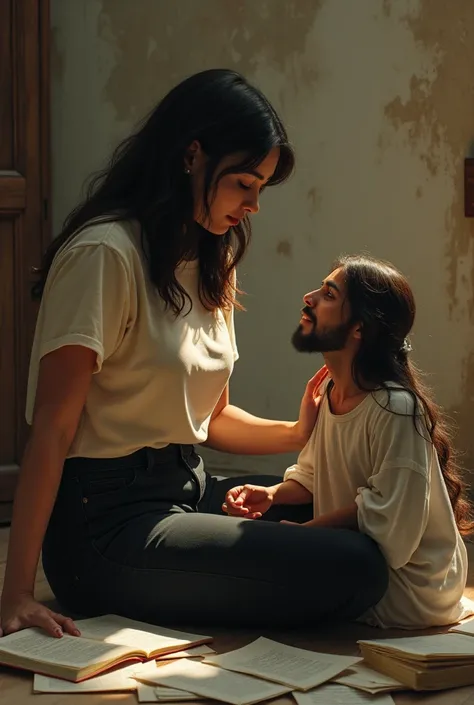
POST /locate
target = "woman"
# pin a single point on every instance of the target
(380, 460)
(130, 365)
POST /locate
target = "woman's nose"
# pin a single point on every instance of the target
(252, 204)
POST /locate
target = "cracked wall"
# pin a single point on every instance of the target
(378, 98)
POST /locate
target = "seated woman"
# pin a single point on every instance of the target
(134, 347)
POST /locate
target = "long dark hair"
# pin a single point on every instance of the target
(382, 301)
(145, 181)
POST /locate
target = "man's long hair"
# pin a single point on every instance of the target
(382, 301)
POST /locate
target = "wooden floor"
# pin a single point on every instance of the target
(16, 687)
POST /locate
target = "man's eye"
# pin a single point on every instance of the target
(328, 295)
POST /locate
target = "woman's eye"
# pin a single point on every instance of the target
(244, 186)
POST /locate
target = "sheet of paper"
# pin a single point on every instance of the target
(67, 651)
(365, 678)
(297, 668)
(339, 695)
(212, 682)
(114, 629)
(160, 694)
(195, 652)
(433, 645)
(119, 680)
(464, 628)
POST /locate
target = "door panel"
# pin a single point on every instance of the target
(24, 201)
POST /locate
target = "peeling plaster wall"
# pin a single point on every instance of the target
(378, 97)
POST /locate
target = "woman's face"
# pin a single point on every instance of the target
(236, 195)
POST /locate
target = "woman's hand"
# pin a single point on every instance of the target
(24, 611)
(249, 501)
(310, 406)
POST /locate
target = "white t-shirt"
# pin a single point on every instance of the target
(157, 377)
(378, 459)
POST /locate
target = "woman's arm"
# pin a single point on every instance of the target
(63, 383)
(234, 430)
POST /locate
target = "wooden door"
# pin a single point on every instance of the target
(24, 212)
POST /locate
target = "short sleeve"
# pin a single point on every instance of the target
(393, 507)
(86, 301)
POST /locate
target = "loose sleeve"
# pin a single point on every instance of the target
(86, 301)
(393, 507)
(303, 470)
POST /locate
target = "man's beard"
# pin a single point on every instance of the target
(328, 340)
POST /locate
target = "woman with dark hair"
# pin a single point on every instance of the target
(380, 459)
(133, 351)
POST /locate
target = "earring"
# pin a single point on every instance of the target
(187, 170)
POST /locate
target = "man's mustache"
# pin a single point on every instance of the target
(308, 311)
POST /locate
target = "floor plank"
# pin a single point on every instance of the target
(16, 686)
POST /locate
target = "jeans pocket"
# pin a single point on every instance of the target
(104, 493)
(106, 485)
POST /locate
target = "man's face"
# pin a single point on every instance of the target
(325, 324)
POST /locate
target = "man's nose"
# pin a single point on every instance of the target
(310, 299)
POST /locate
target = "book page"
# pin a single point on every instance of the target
(364, 678)
(212, 682)
(160, 694)
(127, 632)
(339, 695)
(277, 662)
(119, 680)
(195, 652)
(434, 645)
(71, 651)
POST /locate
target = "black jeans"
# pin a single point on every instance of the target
(144, 536)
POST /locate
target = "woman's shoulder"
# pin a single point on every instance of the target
(121, 236)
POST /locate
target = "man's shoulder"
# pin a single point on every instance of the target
(396, 399)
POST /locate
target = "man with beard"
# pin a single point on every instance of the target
(379, 460)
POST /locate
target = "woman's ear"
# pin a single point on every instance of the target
(193, 156)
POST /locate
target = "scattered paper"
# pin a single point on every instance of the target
(297, 668)
(121, 679)
(212, 682)
(339, 695)
(161, 694)
(366, 679)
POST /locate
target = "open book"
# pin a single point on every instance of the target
(434, 662)
(105, 642)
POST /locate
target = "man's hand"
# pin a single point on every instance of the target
(249, 501)
(23, 611)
